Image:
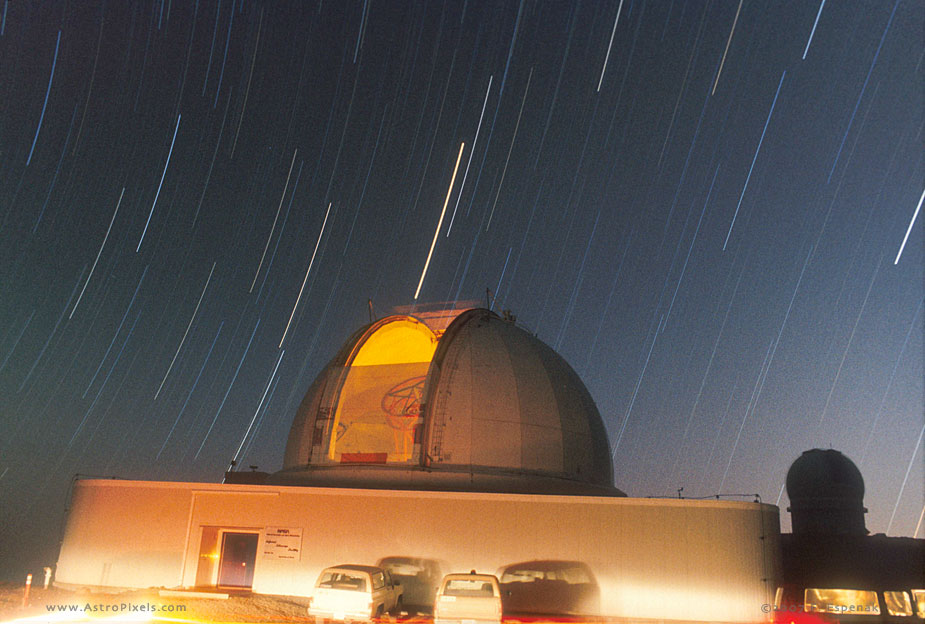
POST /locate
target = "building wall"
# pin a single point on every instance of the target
(653, 558)
(127, 534)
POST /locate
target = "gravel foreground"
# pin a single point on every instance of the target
(55, 604)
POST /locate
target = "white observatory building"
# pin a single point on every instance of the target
(450, 440)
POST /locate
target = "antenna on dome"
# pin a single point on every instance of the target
(372, 313)
(229, 471)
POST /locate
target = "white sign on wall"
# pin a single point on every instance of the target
(282, 543)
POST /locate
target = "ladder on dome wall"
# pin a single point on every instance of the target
(322, 419)
(437, 441)
(440, 408)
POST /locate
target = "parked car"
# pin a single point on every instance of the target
(549, 587)
(468, 599)
(348, 592)
(419, 578)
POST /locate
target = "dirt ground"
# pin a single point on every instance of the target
(56, 605)
(60, 605)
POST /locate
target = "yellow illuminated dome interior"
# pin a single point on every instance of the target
(379, 407)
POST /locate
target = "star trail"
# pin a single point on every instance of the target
(709, 208)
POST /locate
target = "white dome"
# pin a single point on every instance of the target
(481, 406)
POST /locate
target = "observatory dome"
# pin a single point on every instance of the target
(826, 493)
(824, 474)
(457, 401)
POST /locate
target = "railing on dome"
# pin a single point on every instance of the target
(438, 315)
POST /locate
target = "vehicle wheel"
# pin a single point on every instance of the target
(379, 612)
(398, 608)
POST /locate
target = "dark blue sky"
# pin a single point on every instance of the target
(700, 205)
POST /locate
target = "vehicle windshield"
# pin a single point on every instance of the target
(342, 579)
(572, 575)
(475, 588)
(402, 567)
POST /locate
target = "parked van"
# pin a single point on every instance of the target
(549, 587)
(419, 578)
(361, 592)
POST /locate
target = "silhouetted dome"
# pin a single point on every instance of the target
(826, 493)
(481, 405)
(824, 474)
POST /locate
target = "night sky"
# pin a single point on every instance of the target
(701, 205)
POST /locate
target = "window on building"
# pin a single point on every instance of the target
(842, 601)
(918, 597)
(897, 603)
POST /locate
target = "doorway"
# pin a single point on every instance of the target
(236, 566)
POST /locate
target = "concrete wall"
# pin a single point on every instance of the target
(653, 558)
(125, 534)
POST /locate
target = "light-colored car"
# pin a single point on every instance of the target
(348, 592)
(468, 599)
